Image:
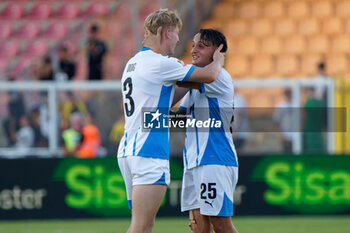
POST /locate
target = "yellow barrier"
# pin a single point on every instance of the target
(342, 99)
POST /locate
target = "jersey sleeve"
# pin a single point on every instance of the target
(173, 70)
(218, 87)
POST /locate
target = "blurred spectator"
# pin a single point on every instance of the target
(66, 65)
(25, 134)
(283, 117)
(240, 123)
(117, 132)
(43, 108)
(72, 137)
(320, 91)
(39, 139)
(314, 123)
(45, 70)
(96, 53)
(16, 109)
(71, 105)
(91, 141)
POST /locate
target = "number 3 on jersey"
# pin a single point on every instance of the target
(127, 87)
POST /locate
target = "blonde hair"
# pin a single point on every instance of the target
(162, 18)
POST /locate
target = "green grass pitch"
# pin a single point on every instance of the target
(276, 224)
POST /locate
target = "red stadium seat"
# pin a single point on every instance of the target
(36, 49)
(3, 66)
(12, 11)
(5, 30)
(21, 65)
(56, 30)
(97, 8)
(41, 10)
(28, 30)
(68, 11)
(148, 8)
(123, 12)
(8, 49)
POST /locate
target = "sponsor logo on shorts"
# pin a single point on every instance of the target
(209, 203)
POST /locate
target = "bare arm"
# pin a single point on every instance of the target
(210, 72)
(182, 89)
(179, 93)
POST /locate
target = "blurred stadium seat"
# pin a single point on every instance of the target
(249, 10)
(337, 64)
(262, 66)
(247, 45)
(3, 66)
(97, 8)
(294, 44)
(56, 30)
(343, 8)
(13, 11)
(318, 44)
(322, 9)
(286, 65)
(308, 27)
(36, 49)
(340, 44)
(271, 45)
(298, 9)
(5, 30)
(224, 11)
(261, 27)
(274, 10)
(69, 10)
(9, 49)
(237, 66)
(285, 27)
(40, 11)
(21, 64)
(332, 26)
(28, 30)
(236, 28)
(309, 64)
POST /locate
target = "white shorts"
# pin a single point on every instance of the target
(138, 170)
(209, 188)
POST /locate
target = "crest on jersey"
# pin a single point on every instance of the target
(181, 62)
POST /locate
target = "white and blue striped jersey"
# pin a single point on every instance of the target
(148, 82)
(213, 146)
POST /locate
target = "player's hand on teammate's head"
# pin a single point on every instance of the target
(219, 56)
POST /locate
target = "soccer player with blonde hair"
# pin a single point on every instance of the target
(148, 81)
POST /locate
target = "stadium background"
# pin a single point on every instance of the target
(273, 45)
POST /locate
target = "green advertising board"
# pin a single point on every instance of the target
(85, 188)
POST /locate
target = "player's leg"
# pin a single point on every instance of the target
(222, 224)
(125, 164)
(199, 223)
(218, 183)
(146, 200)
(150, 179)
(189, 201)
